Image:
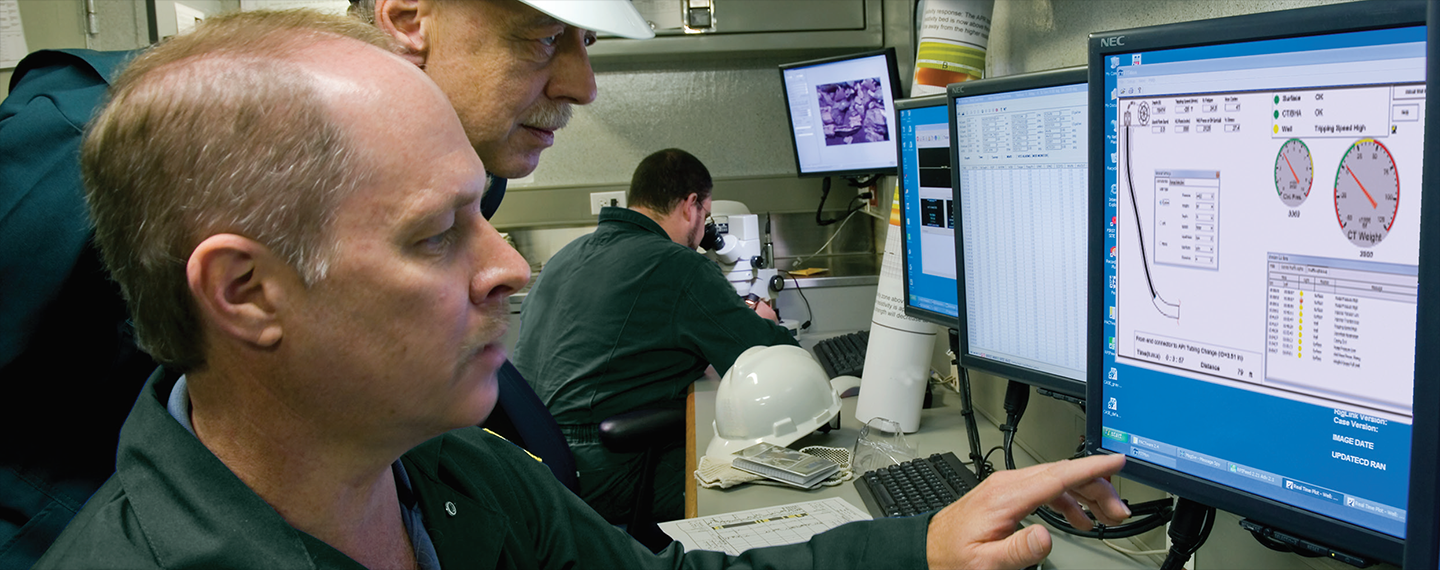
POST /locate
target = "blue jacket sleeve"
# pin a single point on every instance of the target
(43, 219)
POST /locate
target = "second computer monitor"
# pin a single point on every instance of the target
(1020, 194)
(926, 208)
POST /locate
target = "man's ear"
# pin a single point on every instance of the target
(238, 285)
(689, 206)
(408, 24)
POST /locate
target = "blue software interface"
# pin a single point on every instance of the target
(1262, 246)
(1023, 184)
(928, 209)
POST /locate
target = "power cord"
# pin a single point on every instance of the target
(1189, 529)
(800, 260)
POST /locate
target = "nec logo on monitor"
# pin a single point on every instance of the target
(1113, 41)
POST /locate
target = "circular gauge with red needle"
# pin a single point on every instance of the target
(1367, 193)
(1294, 172)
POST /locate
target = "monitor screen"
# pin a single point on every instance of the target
(1255, 252)
(927, 211)
(842, 113)
(1020, 193)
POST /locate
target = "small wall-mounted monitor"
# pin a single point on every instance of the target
(1255, 254)
(1020, 194)
(927, 210)
(842, 113)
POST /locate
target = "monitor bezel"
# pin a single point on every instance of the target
(936, 100)
(895, 90)
(1330, 19)
(1422, 521)
(1038, 80)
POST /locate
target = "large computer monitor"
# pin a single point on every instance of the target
(926, 210)
(1422, 528)
(1256, 196)
(842, 113)
(1020, 190)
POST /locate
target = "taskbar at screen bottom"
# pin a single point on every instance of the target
(1352, 509)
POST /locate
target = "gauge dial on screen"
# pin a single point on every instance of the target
(1367, 193)
(1294, 172)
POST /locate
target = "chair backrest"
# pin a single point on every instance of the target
(522, 418)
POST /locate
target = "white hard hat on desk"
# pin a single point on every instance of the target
(775, 394)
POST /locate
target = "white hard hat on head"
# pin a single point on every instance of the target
(775, 394)
(617, 17)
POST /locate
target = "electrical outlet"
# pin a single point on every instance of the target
(601, 199)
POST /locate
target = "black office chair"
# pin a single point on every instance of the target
(651, 432)
(522, 418)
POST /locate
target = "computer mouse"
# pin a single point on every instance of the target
(846, 386)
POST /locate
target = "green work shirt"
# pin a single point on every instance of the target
(624, 319)
(485, 504)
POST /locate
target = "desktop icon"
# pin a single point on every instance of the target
(1114, 375)
(1113, 405)
(1112, 343)
(1112, 281)
(1114, 62)
(1112, 251)
(1112, 311)
(1135, 59)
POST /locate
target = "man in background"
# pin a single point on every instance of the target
(328, 300)
(625, 318)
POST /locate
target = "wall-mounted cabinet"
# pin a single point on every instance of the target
(733, 27)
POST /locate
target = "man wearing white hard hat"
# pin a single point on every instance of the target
(512, 69)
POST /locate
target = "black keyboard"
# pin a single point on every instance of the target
(915, 486)
(843, 355)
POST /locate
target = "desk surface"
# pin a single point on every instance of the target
(941, 429)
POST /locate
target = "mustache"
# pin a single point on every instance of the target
(548, 115)
(496, 324)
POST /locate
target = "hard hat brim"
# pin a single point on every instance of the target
(615, 17)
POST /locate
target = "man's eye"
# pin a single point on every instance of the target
(441, 240)
(550, 41)
(589, 39)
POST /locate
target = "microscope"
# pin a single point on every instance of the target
(745, 253)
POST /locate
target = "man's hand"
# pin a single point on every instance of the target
(763, 308)
(978, 531)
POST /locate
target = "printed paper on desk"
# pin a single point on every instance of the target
(733, 533)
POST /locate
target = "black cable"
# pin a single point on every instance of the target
(983, 468)
(992, 450)
(1189, 529)
(809, 313)
(825, 193)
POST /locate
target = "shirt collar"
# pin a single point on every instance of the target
(179, 407)
(628, 216)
